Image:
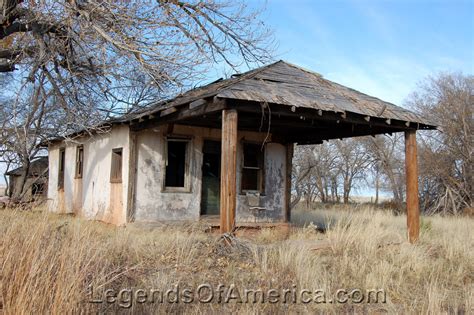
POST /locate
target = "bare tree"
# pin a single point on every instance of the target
(302, 167)
(73, 63)
(446, 158)
(341, 165)
(353, 164)
(386, 154)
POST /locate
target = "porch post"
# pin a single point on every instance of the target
(132, 175)
(413, 207)
(289, 168)
(228, 170)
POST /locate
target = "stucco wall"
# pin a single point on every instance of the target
(153, 204)
(94, 197)
(92, 193)
(272, 201)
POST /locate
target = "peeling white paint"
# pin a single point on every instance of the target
(151, 202)
(96, 175)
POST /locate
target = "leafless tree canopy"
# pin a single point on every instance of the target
(67, 64)
(447, 163)
(328, 170)
(109, 47)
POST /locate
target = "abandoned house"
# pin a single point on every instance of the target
(36, 184)
(221, 152)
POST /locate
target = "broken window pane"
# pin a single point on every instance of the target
(79, 161)
(252, 171)
(38, 189)
(62, 160)
(116, 166)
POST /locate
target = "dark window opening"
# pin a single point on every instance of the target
(79, 161)
(252, 170)
(62, 160)
(176, 163)
(116, 166)
(38, 189)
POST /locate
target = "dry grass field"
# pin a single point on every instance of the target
(62, 264)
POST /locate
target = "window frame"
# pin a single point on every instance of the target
(261, 169)
(79, 171)
(187, 164)
(61, 168)
(115, 178)
(42, 192)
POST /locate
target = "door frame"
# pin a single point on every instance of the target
(213, 139)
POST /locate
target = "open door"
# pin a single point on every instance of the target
(211, 167)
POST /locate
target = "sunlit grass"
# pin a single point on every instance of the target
(49, 262)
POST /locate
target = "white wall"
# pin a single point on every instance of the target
(152, 204)
(273, 200)
(95, 194)
(98, 201)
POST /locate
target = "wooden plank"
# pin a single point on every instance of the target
(413, 206)
(285, 112)
(289, 166)
(197, 103)
(132, 174)
(114, 214)
(168, 111)
(228, 170)
(182, 113)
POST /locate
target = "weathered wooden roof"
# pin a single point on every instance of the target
(37, 168)
(286, 84)
(308, 108)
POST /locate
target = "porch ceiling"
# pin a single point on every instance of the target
(286, 124)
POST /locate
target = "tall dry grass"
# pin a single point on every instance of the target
(49, 263)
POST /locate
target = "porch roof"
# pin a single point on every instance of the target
(37, 168)
(294, 104)
(304, 107)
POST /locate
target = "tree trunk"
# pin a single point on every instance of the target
(25, 165)
(347, 189)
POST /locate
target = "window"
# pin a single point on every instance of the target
(38, 189)
(62, 160)
(176, 160)
(116, 166)
(252, 170)
(79, 161)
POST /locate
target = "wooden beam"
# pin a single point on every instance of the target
(344, 131)
(328, 116)
(413, 206)
(228, 170)
(168, 111)
(197, 103)
(132, 175)
(289, 166)
(182, 113)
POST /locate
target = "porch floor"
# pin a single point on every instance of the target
(211, 223)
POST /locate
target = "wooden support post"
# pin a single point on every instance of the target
(413, 206)
(289, 166)
(228, 170)
(132, 175)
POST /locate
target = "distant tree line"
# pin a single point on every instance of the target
(330, 172)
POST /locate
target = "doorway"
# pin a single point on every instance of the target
(211, 170)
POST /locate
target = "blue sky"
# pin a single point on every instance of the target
(383, 48)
